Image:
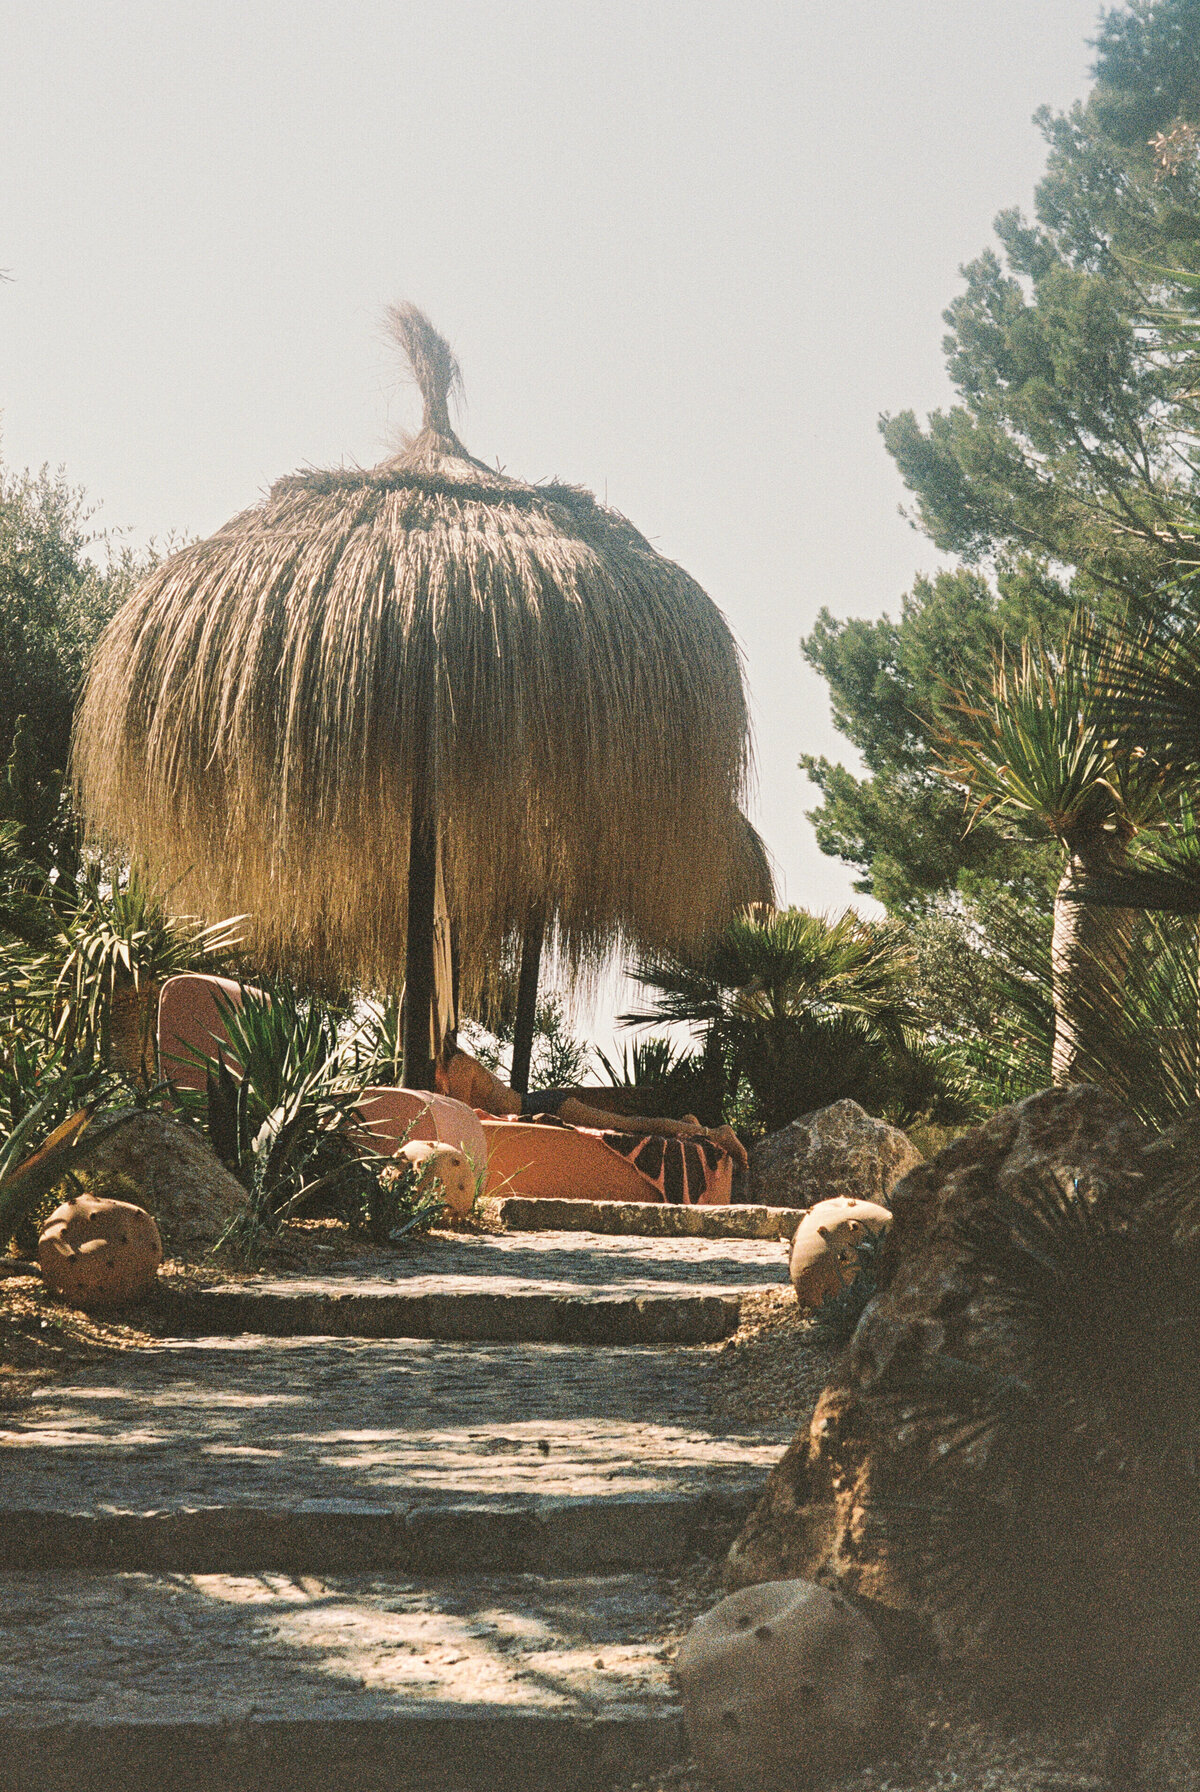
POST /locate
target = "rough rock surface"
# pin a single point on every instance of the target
(824, 1508)
(179, 1179)
(839, 1150)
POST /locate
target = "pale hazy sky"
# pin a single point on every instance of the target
(686, 253)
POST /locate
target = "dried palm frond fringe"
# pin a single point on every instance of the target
(256, 714)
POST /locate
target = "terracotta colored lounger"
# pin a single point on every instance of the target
(523, 1158)
(190, 1021)
(577, 1163)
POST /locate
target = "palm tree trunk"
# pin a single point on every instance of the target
(131, 1015)
(1089, 956)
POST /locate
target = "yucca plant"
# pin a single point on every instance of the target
(652, 1060)
(120, 946)
(1039, 749)
(278, 1095)
(376, 1046)
(1147, 1052)
(37, 1147)
(279, 1107)
(676, 1080)
(84, 961)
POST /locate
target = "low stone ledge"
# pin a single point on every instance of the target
(555, 1536)
(461, 1317)
(486, 1749)
(645, 1219)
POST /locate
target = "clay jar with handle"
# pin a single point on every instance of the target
(98, 1253)
(824, 1256)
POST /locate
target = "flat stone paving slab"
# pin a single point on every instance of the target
(551, 1263)
(555, 1287)
(370, 1451)
(543, 1287)
(269, 1679)
(587, 1317)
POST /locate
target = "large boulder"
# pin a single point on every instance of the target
(877, 1459)
(178, 1177)
(838, 1151)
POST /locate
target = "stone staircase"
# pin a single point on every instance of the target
(423, 1521)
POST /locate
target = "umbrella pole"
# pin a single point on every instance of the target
(418, 957)
(527, 985)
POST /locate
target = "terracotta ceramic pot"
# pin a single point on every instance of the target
(783, 1684)
(824, 1255)
(449, 1169)
(97, 1253)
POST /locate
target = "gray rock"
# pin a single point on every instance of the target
(178, 1177)
(838, 1151)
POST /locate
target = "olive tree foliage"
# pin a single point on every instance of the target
(60, 582)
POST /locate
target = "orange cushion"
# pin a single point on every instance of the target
(566, 1163)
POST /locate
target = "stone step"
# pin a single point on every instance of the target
(334, 1453)
(547, 1287)
(546, 1262)
(503, 1316)
(271, 1683)
(646, 1219)
(617, 1534)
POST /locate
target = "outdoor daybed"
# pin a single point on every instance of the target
(523, 1157)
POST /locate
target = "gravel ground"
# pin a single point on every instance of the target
(41, 1337)
(773, 1366)
(942, 1744)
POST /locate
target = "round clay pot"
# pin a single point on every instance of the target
(783, 1684)
(97, 1253)
(449, 1168)
(824, 1253)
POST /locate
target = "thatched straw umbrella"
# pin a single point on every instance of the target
(291, 717)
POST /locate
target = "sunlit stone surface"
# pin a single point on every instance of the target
(175, 1648)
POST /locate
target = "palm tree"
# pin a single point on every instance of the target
(1040, 749)
(804, 1008)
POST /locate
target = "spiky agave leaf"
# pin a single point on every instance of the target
(655, 1060)
(1148, 676)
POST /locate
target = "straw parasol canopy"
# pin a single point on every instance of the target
(374, 666)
